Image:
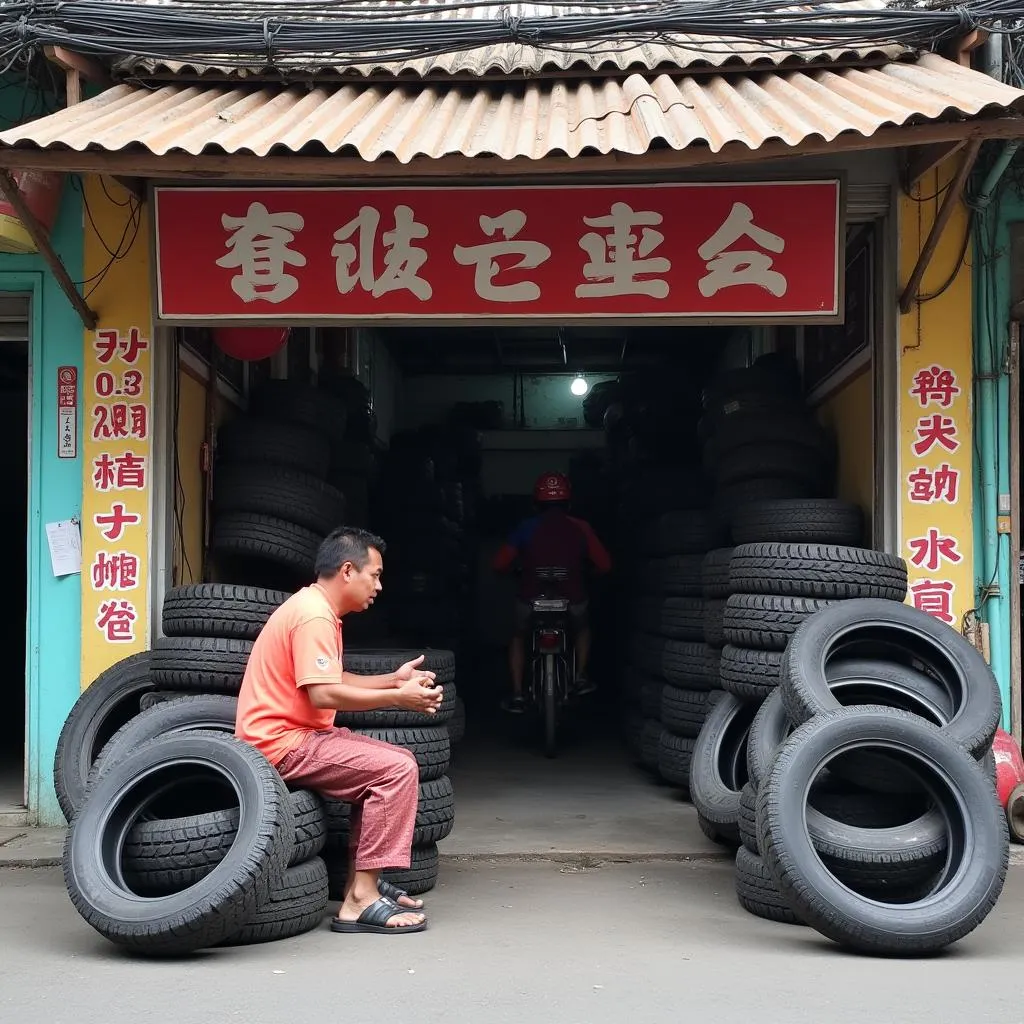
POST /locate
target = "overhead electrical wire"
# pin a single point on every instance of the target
(354, 32)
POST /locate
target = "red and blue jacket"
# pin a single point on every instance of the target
(553, 538)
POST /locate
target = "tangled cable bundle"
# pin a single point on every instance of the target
(238, 32)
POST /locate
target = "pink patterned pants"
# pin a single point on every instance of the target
(379, 780)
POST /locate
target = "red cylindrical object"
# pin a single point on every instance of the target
(1009, 765)
(250, 343)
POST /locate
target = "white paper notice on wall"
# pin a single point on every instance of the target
(65, 540)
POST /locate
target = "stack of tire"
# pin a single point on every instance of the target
(352, 455)
(760, 441)
(427, 738)
(672, 670)
(793, 558)
(272, 504)
(871, 813)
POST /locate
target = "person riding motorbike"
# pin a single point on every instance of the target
(551, 538)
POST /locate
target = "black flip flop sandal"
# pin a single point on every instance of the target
(374, 919)
(386, 888)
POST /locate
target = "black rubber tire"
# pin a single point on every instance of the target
(817, 570)
(273, 491)
(200, 664)
(111, 700)
(854, 680)
(216, 906)
(202, 711)
(715, 574)
(765, 622)
(969, 884)
(676, 618)
(219, 610)
(678, 575)
(688, 665)
(748, 674)
(678, 533)
(719, 768)
(266, 539)
(397, 718)
(757, 892)
(294, 401)
(421, 875)
(683, 712)
(650, 743)
(766, 459)
(256, 439)
(675, 754)
(296, 905)
(902, 634)
(429, 745)
(372, 662)
(746, 823)
(714, 623)
(787, 429)
(807, 521)
(457, 722)
(165, 855)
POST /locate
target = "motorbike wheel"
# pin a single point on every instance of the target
(550, 707)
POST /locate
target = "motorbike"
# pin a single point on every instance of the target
(552, 657)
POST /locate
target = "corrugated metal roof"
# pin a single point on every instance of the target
(601, 55)
(530, 120)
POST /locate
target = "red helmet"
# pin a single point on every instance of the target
(552, 487)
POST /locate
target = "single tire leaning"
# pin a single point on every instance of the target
(817, 570)
(219, 610)
(294, 906)
(429, 745)
(901, 634)
(217, 905)
(758, 893)
(264, 538)
(183, 713)
(255, 439)
(962, 894)
(814, 521)
(111, 700)
(200, 664)
(719, 769)
(165, 855)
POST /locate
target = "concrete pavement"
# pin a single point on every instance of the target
(513, 944)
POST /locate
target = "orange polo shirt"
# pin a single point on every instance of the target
(299, 645)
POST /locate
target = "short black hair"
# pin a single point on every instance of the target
(345, 544)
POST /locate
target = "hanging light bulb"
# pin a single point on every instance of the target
(579, 385)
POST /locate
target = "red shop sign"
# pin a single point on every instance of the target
(724, 252)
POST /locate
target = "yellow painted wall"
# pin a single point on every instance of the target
(935, 336)
(117, 380)
(849, 414)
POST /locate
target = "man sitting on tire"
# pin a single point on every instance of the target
(552, 538)
(294, 683)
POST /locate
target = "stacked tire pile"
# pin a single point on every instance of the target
(182, 830)
(802, 562)
(429, 741)
(760, 441)
(871, 813)
(425, 505)
(272, 504)
(352, 455)
(672, 670)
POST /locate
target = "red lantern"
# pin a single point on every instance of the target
(250, 343)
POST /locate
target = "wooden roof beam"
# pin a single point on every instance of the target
(77, 69)
(922, 159)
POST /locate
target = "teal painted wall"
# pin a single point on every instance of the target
(55, 492)
(991, 345)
